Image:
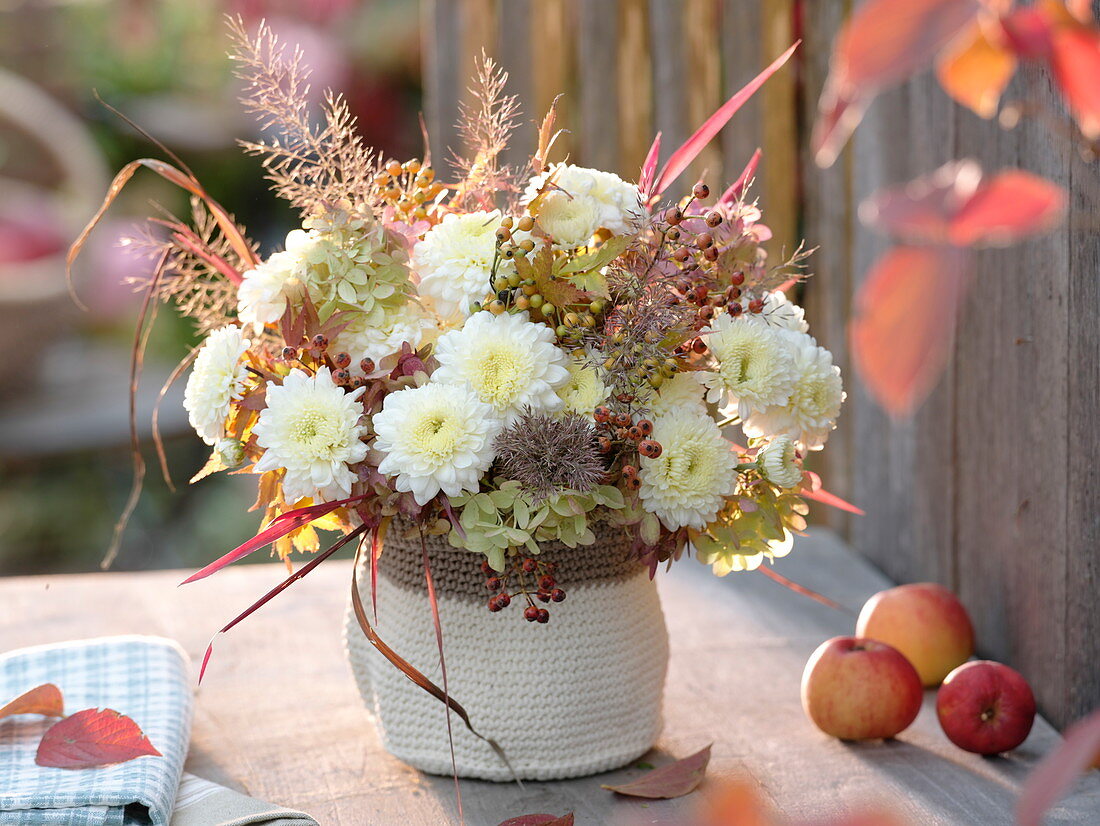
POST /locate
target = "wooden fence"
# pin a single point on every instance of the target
(993, 487)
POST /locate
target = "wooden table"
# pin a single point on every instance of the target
(278, 714)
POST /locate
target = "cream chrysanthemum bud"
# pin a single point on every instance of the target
(780, 311)
(509, 362)
(437, 437)
(262, 293)
(755, 363)
(810, 414)
(217, 379)
(582, 201)
(311, 428)
(688, 483)
(683, 393)
(779, 463)
(584, 390)
(455, 262)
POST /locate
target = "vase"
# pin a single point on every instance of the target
(578, 695)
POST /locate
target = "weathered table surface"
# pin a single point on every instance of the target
(278, 714)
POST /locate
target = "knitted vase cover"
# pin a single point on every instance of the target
(579, 695)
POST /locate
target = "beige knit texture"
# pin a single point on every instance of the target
(579, 695)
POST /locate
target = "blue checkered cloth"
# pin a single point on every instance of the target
(146, 678)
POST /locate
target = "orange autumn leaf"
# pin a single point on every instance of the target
(44, 699)
(905, 321)
(976, 69)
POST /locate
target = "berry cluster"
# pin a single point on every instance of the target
(339, 364)
(620, 429)
(542, 581)
(409, 188)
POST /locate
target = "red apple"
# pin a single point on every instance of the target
(985, 707)
(859, 689)
(925, 622)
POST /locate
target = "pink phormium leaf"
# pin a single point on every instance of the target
(44, 699)
(93, 737)
(665, 782)
(682, 157)
(1052, 778)
(539, 820)
(738, 187)
(648, 176)
(900, 340)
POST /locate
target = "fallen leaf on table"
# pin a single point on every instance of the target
(93, 737)
(674, 780)
(44, 699)
(539, 820)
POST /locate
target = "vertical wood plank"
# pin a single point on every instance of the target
(780, 128)
(668, 51)
(1011, 421)
(635, 83)
(552, 32)
(704, 83)
(597, 85)
(515, 55)
(742, 59)
(441, 58)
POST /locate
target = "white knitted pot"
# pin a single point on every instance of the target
(579, 695)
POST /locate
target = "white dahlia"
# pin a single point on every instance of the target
(311, 428)
(780, 311)
(437, 437)
(217, 378)
(262, 294)
(509, 362)
(582, 201)
(681, 394)
(584, 390)
(455, 261)
(809, 415)
(688, 483)
(779, 464)
(755, 364)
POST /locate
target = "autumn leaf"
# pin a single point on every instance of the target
(975, 69)
(44, 699)
(1054, 776)
(93, 737)
(557, 291)
(539, 820)
(665, 782)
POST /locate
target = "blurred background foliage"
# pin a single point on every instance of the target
(65, 467)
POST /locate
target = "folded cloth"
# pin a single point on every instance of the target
(146, 678)
(202, 803)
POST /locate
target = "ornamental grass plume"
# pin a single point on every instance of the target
(547, 455)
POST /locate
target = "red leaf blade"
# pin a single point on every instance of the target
(1008, 208)
(900, 339)
(93, 737)
(738, 187)
(666, 782)
(682, 157)
(1053, 777)
(43, 699)
(648, 175)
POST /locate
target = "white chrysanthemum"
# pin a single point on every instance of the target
(778, 462)
(311, 428)
(681, 394)
(688, 483)
(455, 260)
(584, 390)
(508, 361)
(217, 378)
(362, 340)
(780, 311)
(582, 201)
(755, 363)
(262, 294)
(809, 415)
(438, 437)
